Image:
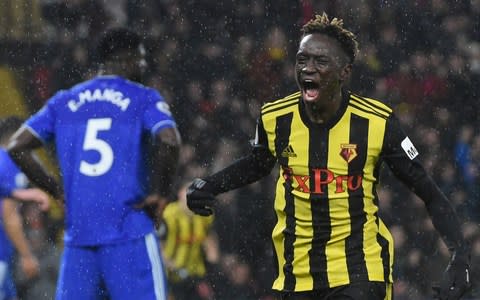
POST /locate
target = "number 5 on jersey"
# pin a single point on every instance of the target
(92, 142)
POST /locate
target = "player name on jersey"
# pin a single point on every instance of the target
(109, 95)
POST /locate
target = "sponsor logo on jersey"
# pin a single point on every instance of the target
(348, 152)
(288, 152)
(322, 178)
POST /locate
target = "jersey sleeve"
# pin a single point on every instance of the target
(157, 114)
(402, 157)
(399, 152)
(7, 180)
(42, 123)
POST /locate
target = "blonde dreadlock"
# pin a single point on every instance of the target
(333, 28)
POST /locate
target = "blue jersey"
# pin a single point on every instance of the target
(99, 128)
(10, 179)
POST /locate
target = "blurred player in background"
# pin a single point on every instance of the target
(189, 244)
(13, 187)
(117, 146)
(330, 143)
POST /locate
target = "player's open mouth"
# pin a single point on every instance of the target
(310, 90)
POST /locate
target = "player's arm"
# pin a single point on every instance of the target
(402, 158)
(258, 164)
(20, 148)
(165, 154)
(14, 228)
(165, 160)
(32, 195)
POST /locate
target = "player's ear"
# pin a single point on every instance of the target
(345, 72)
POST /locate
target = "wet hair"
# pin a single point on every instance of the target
(8, 126)
(334, 29)
(115, 40)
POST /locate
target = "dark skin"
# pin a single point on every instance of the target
(165, 152)
(321, 62)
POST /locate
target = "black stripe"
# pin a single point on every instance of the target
(383, 242)
(385, 253)
(356, 265)
(318, 159)
(280, 101)
(367, 107)
(282, 139)
(294, 102)
(371, 103)
(367, 111)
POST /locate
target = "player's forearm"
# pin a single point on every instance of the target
(439, 208)
(35, 172)
(14, 228)
(242, 172)
(167, 165)
(443, 216)
(441, 212)
(165, 161)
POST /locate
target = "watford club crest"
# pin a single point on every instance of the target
(348, 152)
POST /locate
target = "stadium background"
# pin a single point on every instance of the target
(217, 61)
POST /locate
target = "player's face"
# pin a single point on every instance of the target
(320, 68)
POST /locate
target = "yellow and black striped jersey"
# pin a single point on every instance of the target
(328, 232)
(183, 244)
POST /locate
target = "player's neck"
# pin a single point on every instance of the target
(323, 110)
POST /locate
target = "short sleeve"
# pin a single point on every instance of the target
(157, 115)
(8, 177)
(42, 123)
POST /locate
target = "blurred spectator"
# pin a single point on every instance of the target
(190, 247)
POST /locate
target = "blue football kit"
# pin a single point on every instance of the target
(10, 179)
(100, 129)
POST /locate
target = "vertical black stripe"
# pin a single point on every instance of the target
(385, 253)
(383, 242)
(356, 264)
(318, 159)
(282, 139)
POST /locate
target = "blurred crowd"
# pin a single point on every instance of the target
(216, 62)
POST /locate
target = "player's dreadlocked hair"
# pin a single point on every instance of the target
(333, 28)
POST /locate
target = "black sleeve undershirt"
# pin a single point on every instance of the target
(412, 173)
(258, 164)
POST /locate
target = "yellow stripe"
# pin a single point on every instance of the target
(375, 104)
(303, 209)
(372, 248)
(389, 292)
(277, 234)
(286, 105)
(370, 105)
(338, 202)
(281, 101)
(388, 236)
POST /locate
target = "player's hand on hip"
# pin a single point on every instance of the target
(199, 200)
(154, 205)
(456, 280)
